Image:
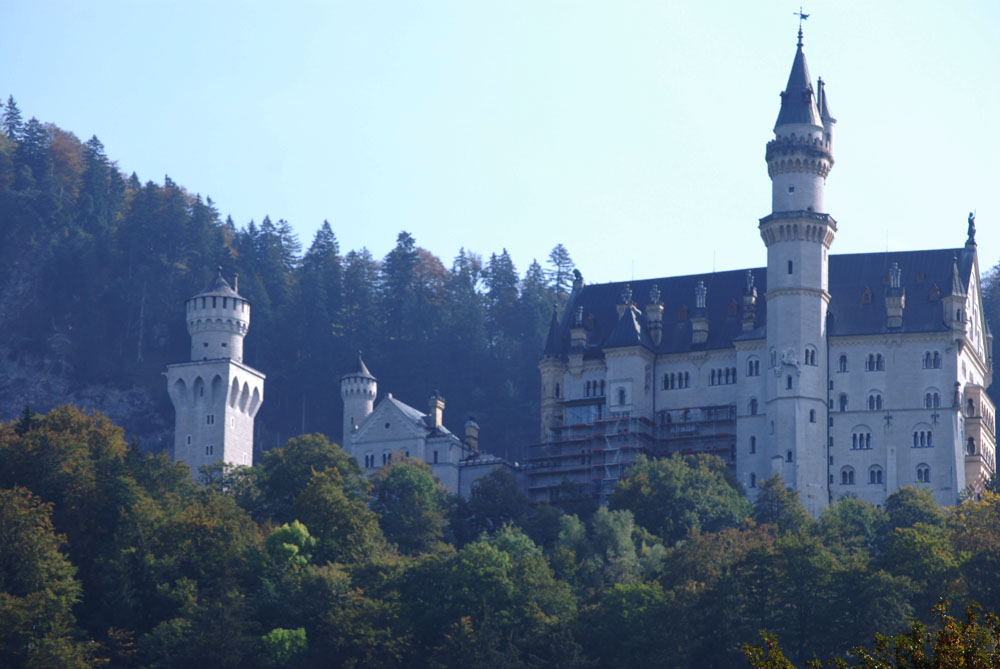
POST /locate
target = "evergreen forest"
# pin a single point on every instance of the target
(95, 267)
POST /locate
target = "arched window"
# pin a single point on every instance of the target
(812, 415)
(788, 382)
(927, 360)
(687, 379)
(753, 445)
(879, 363)
(937, 360)
(753, 406)
(558, 390)
(773, 358)
(870, 363)
(843, 401)
(970, 408)
(875, 474)
(621, 396)
(712, 382)
(842, 365)
(923, 473)
(788, 456)
(847, 476)
(970, 447)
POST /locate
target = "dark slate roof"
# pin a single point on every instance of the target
(600, 312)
(926, 278)
(360, 369)
(925, 273)
(823, 102)
(218, 287)
(629, 331)
(797, 102)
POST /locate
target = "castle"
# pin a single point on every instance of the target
(845, 374)
(372, 434)
(215, 396)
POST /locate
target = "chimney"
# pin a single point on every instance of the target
(472, 434)
(625, 301)
(895, 297)
(750, 304)
(654, 315)
(699, 320)
(577, 333)
(435, 410)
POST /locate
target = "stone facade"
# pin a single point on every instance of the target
(847, 375)
(215, 396)
(374, 434)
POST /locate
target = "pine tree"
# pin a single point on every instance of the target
(561, 273)
(12, 120)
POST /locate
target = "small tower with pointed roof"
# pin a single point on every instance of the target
(215, 395)
(358, 390)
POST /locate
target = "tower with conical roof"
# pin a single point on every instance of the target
(798, 233)
(215, 396)
(358, 390)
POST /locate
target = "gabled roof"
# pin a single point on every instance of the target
(927, 276)
(629, 331)
(416, 421)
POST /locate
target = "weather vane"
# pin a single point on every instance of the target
(802, 17)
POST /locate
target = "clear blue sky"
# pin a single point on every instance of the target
(632, 132)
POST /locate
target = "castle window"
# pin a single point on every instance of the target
(753, 480)
(843, 401)
(753, 445)
(602, 388)
(788, 456)
(861, 441)
(970, 447)
(812, 415)
(866, 296)
(621, 396)
(189, 440)
(788, 382)
(791, 189)
(205, 344)
(223, 344)
(712, 381)
(847, 476)
(753, 367)
(923, 473)
(789, 266)
(753, 406)
(210, 449)
(937, 360)
(687, 379)
(970, 408)
(558, 390)
(773, 358)
(810, 356)
(213, 303)
(879, 363)
(875, 474)
(210, 419)
(842, 365)
(875, 402)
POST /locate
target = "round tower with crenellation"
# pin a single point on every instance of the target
(358, 390)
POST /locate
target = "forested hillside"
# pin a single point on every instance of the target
(95, 265)
(302, 561)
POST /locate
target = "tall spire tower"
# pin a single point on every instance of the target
(798, 233)
(216, 396)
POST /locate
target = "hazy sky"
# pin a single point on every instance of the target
(633, 132)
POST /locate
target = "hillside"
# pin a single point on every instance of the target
(95, 265)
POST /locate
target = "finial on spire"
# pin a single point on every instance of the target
(802, 17)
(750, 281)
(219, 268)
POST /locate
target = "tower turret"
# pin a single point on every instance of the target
(217, 320)
(215, 395)
(798, 233)
(357, 390)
